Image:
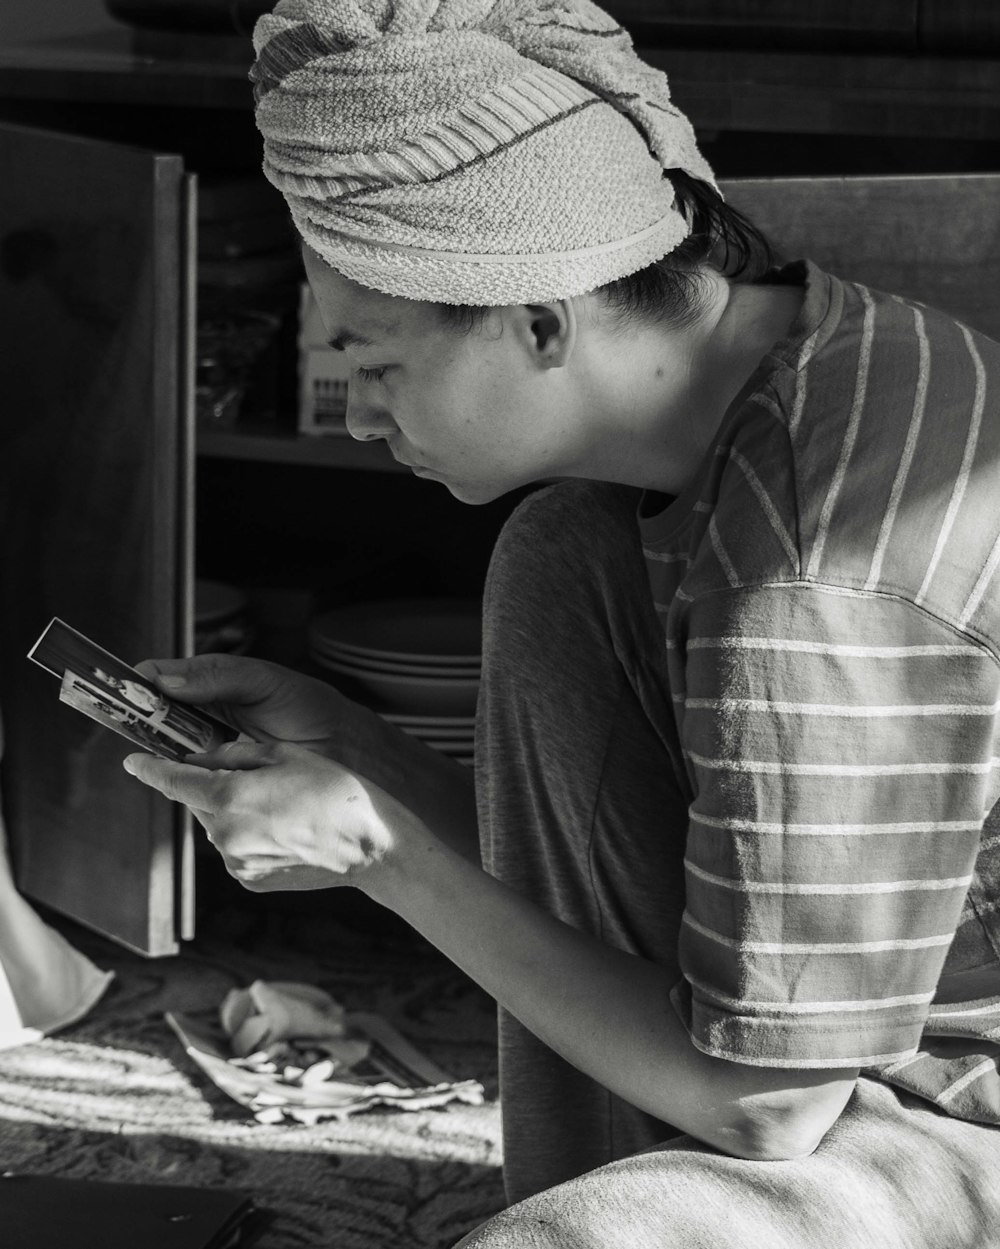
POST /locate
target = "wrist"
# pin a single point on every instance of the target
(355, 741)
(408, 858)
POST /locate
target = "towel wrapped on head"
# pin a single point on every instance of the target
(483, 152)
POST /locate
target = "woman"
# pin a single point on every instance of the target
(725, 868)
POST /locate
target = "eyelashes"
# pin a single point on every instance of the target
(369, 375)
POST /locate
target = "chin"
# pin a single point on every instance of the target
(477, 493)
(469, 494)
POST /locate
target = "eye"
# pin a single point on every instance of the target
(369, 375)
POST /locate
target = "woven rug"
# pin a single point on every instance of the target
(116, 1097)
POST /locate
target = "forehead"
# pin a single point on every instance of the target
(354, 314)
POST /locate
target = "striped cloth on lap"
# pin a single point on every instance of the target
(829, 593)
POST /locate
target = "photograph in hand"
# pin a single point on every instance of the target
(114, 694)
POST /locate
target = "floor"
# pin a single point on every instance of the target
(116, 1097)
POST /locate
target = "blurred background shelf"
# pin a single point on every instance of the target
(851, 77)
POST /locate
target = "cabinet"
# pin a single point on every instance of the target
(100, 511)
(95, 487)
(108, 494)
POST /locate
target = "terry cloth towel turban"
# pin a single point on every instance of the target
(482, 152)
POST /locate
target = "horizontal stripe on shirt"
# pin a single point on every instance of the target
(738, 824)
(845, 711)
(834, 889)
(778, 768)
(756, 1006)
(840, 650)
(824, 948)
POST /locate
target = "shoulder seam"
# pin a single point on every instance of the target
(972, 637)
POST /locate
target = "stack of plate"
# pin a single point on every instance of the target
(221, 622)
(415, 661)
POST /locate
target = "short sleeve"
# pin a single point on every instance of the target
(841, 747)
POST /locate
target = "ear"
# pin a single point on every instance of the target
(549, 332)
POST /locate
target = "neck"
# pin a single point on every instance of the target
(665, 391)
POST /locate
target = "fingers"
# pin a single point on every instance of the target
(190, 782)
(241, 756)
(213, 678)
(196, 787)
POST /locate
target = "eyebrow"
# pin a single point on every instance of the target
(347, 338)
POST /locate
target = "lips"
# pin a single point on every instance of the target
(414, 468)
(405, 463)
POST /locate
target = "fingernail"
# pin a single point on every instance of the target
(173, 682)
(129, 766)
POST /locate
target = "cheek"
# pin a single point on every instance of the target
(490, 386)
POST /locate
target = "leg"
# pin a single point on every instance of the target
(580, 808)
(893, 1173)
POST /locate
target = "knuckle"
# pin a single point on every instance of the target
(209, 667)
(224, 786)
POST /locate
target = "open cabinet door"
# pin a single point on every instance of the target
(96, 303)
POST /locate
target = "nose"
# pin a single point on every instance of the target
(366, 421)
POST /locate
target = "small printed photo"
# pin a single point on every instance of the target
(111, 692)
(97, 703)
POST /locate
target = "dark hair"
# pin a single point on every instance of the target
(669, 289)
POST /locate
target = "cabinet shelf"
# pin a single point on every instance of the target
(863, 90)
(322, 450)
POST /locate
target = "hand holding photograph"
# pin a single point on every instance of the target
(111, 692)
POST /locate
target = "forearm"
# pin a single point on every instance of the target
(605, 1011)
(439, 791)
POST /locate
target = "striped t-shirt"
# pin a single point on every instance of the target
(829, 591)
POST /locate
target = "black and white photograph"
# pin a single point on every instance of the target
(96, 702)
(538, 462)
(113, 693)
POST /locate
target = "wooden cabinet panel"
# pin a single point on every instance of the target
(95, 445)
(934, 238)
(861, 25)
(970, 27)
